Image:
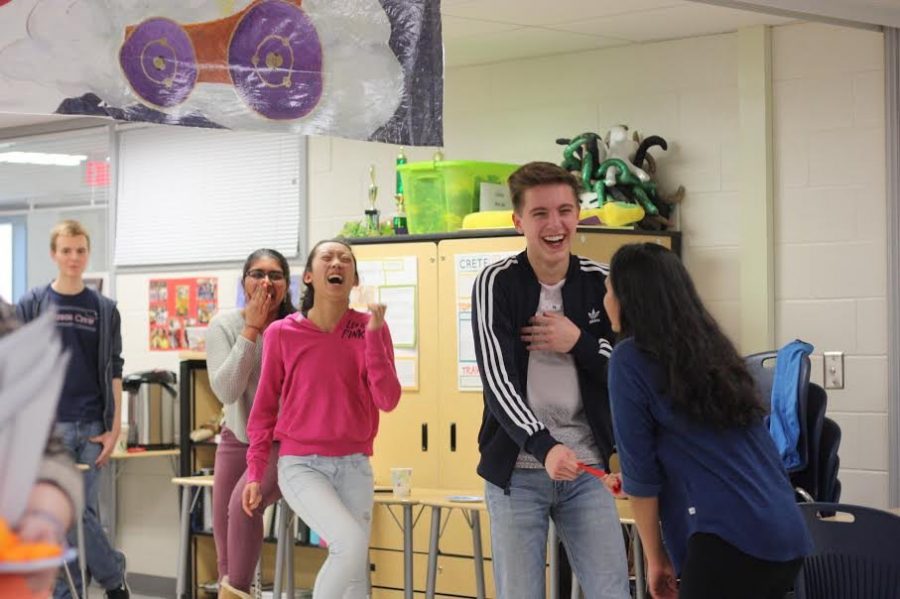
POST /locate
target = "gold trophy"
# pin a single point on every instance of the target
(372, 214)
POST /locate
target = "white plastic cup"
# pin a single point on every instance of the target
(401, 481)
(122, 442)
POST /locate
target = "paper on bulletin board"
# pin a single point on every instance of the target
(402, 302)
(467, 267)
(180, 311)
(394, 282)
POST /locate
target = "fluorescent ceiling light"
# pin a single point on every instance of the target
(42, 159)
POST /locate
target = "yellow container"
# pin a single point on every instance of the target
(438, 195)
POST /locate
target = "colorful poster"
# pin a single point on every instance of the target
(361, 69)
(180, 311)
(467, 267)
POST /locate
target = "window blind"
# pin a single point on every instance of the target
(189, 195)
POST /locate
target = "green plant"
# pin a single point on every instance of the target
(359, 229)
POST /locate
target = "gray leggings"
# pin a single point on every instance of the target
(334, 496)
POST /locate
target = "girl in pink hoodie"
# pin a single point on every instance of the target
(333, 369)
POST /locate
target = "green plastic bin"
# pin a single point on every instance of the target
(438, 195)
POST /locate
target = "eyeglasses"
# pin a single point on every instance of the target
(274, 275)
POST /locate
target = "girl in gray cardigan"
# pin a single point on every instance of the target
(233, 358)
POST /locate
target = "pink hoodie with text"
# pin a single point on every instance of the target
(332, 386)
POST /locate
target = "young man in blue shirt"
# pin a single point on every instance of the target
(89, 415)
(543, 340)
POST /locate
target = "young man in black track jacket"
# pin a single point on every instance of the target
(543, 339)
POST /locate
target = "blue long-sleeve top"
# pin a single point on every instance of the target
(729, 482)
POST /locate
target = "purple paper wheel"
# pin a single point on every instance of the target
(159, 62)
(275, 59)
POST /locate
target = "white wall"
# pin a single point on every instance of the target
(830, 256)
(148, 502)
(685, 91)
(830, 199)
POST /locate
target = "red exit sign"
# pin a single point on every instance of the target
(96, 172)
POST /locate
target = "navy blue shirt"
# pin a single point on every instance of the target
(729, 483)
(78, 322)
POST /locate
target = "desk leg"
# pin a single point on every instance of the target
(289, 556)
(640, 577)
(280, 549)
(477, 554)
(552, 545)
(431, 580)
(82, 556)
(407, 551)
(183, 561)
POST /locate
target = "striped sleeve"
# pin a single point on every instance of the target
(593, 353)
(588, 265)
(496, 337)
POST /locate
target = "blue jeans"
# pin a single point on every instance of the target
(586, 521)
(334, 496)
(104, 564)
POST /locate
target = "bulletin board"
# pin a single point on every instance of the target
(394, 282)
(179, 312)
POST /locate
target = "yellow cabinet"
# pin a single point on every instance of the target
(406, 436)
(459, 412)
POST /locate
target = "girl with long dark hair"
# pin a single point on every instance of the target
(327, 373)
(233, 358)
(694, 450)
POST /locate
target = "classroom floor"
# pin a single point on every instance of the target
(97, 593)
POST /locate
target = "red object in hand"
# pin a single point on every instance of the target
(599, 473)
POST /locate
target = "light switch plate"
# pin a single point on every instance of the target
(834, 369)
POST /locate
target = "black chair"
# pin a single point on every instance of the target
(810, 476)
(762, 369)
(856, 554)
(809, 479)
(829, 487)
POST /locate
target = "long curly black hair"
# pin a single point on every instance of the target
(659, 307)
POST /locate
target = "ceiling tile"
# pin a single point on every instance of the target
(519, 43)
(21, 120)
(686, 20)
(456, 27)
(542, 12)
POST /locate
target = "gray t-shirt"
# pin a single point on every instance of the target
(233, 363)
(554, 395)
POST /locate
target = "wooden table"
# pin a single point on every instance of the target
(116, 463)
(438, 500)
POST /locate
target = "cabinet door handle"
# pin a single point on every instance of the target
(424, 436)
(453, 436)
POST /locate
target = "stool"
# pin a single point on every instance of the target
(406, 526)
(284, 551)
(191, 486)
(470, 511)
(82, 559)
(82, 568)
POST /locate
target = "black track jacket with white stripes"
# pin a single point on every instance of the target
(504, 297)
